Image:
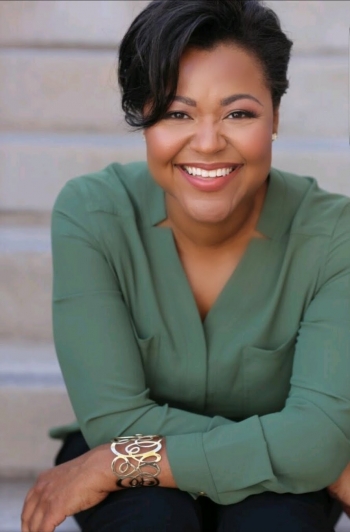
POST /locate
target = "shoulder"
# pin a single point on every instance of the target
(117, 189)
(316, 212)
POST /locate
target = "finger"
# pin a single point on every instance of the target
(39, 512)
(29, 506)
(50, 521)
(46, 516)
(37, 504)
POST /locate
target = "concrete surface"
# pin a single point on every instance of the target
(75, 23)
(12, 495)
(33, 398)
(34, 167)
(59, 90)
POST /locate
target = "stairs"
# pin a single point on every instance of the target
(59, 118)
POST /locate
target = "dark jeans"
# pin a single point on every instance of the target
(170, 510)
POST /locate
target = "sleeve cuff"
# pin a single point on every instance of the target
(189, 465)
(239, 456)
(227, 463)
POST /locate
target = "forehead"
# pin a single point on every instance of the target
(226, 67)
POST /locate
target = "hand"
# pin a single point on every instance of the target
(68, 489)
(340, 489)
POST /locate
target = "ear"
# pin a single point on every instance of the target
(276, 119)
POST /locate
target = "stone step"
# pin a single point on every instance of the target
(314, 82)
(59, 90)
(69, 23)
(25, 283)
(34, 167)
(71, 91)
(314, 25)
(33, 398)
(326, 160)
(13, 492)
(12, 495)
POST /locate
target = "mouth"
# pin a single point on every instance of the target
(210, 171)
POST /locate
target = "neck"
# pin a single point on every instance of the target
(242, 224)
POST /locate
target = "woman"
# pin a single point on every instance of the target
(201, 298)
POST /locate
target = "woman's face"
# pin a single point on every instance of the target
(212, 152)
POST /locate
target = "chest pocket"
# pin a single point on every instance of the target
(267, 377)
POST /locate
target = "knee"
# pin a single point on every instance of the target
(271, 512)
(168, 510)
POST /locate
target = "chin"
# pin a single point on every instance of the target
(209, 215)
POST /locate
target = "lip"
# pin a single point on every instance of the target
(207, 184)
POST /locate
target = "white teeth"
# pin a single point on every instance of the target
(205, 173)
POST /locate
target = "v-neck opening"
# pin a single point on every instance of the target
(226, 288)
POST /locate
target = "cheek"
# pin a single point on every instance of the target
(162, 145)
(255, 145)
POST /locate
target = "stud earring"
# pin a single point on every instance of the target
(274, 136)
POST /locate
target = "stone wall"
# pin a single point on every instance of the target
(59, 102)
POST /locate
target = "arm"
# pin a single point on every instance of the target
(281, 452)
(94, 337)
(76, 486)
(306, 446)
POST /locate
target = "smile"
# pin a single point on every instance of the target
(212, 173)
(209, 177)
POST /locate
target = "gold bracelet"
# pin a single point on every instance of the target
(139, 467)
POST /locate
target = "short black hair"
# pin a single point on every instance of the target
(151, 50)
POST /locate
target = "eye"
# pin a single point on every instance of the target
(242, 114)
(177, 115)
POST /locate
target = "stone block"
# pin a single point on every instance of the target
(27, 414)
(33, 168)
(315, 25)
(59, 90)
(25, 287)
(316, 104)
(327, 161)
(33, 399)
(66, 22)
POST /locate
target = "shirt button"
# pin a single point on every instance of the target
(201, 493)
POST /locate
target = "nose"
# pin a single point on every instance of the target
(208, 138)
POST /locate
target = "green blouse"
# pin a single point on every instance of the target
(257, 397)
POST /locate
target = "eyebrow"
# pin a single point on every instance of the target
(225, 101)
